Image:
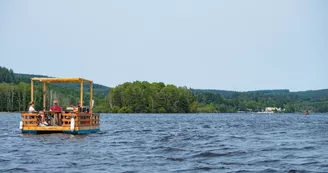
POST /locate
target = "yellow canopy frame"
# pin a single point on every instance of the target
(61, 80)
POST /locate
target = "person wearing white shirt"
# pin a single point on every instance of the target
(32, 110)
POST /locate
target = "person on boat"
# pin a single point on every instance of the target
(57, 109)
(32, 110)
(78, 108)
(307, 112)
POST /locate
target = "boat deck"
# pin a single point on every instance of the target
(84, 123)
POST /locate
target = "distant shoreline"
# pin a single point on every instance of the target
(260, 113)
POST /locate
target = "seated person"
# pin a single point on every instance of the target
(57, 109)
(32, 110)
(78, 108)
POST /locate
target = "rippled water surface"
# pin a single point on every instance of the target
(173, 143)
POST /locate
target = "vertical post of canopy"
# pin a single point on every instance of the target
(44, 95)
(32, 91)
(90, 105)
(81, 93)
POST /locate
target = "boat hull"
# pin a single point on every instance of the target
(80, 132)
(72, 123)
(61, 129)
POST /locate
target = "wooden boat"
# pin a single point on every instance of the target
(72, 122)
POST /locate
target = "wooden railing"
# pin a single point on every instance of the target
(66, 119)
(30, 119)
(81, 119)
(95, 120)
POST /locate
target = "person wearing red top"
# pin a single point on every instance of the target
(57, 109)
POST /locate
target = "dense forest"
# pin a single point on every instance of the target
(138, 97)
(15, 92)
(145, 97)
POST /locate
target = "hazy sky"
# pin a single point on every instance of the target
(208, 44)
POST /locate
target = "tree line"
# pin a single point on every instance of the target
(15, 93)
(145, 97)
(257, 101)
(16, 97)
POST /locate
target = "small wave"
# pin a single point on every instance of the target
(175, 159)
(269, 170)
(237, 137)
(227, 148)
(207, 168)
(101, 132)
(324, 165)
(211, 154)
(4, 160)
(201, 169)
(231, 163)
(297, 171)
(310, 163)
(267, 161)
(165, 138)
(289, 149)
(58, 154)
(146, 130)
(267, 149)
(308, 148)
(30, 162)
(242, 171)
(176, 133)
(16, 170)
(204, 168)
(122, 131)
(171, 149)
(72, 164)
(289, 156)
(187, 139)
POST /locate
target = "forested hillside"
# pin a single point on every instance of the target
(8, 76)
(15, 92)
(145, 97)
(257, 101)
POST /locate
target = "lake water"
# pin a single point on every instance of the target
(173, 143)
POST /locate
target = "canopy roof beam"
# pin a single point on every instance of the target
(60, 80)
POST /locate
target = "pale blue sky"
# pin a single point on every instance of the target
(208, 44)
